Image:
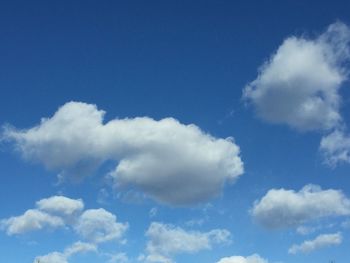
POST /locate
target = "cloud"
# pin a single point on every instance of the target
(80, 247)
(336, 148)
(58, 257)
(93, 225)
(153, 212)
(54, 257)
(31, 220)
(319, 242)
(305, 230)
(52, 212)
(99, 225)
(239, 259)
(61, 205)
(299, 84)
(171, 162)
(286, 208)
(165, 241)
(118, 258)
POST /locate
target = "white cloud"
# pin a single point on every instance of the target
(305, 230)
(118, 258)
(239, 259)
(287, 208)
(61, 205)
(165, 241)
(319, 242)
(94, 225)
(171, 162)
(299, 85)
(54, 257)
(99, 225)
(79, 247)
(336, 148)
(31, 220)
(58, 257)
(52, 212)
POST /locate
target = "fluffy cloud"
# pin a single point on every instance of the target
(286, 208)
(51, 212)
(99, 225)
(61, 205)
(319, 242)
(31, 220)
(239, 259)
(171, 162)
(336, 148)
(166, 241)
(94, 225)
(299, 85)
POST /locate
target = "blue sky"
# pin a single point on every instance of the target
(174, 131)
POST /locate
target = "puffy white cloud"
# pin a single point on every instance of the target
(299, 85)
(61, 205)
(54, 257)
(94, 225)
(239, 259)
(321, 241)
(166, 241)
(99, 225)
(171, 162)
(52, 212)
(287, 208)
(336, 148)
(31, 220)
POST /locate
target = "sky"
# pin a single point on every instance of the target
(174, 131)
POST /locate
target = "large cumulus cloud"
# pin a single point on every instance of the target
(299, 85)
(171, 162)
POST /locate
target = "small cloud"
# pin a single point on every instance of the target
(165, 241)
(153, 212)
(281, 208)
(118, 258)
(321, 241)
(31, 220)
(196, 222)
(335, 148)
(239, 259)
(99, 225)
(304, 230)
